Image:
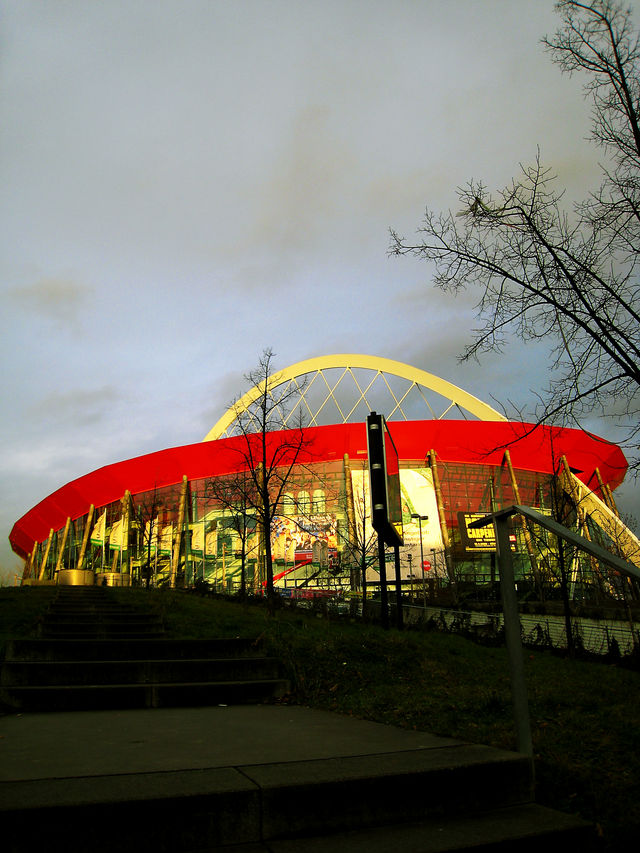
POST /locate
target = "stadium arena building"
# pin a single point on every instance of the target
(179, 516)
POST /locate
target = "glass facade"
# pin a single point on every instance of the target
(206, 531)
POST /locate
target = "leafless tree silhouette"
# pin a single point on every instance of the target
(566, 276)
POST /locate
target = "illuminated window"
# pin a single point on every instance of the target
(304, 502)
(319, 501)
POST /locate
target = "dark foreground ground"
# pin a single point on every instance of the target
(585, 715)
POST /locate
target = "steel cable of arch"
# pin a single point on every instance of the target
(346, 363)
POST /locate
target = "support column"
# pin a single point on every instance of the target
(45, 557)
(125, 561)
(583, 528)
(607, 494)
(28, 563)
(62, 545)
(85, 537)
(431, 456)
(178, 535)
(354, 567)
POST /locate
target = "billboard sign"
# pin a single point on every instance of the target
(479, 538)
(384, 478)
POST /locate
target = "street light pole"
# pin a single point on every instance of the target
(434, 566)
(422, 518)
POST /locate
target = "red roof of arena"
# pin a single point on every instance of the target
(472, 442)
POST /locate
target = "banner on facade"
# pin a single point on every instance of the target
(118, 535)
(197, 537)
(99, 530)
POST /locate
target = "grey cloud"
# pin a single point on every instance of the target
(58, 300)
(228, 387)
(79, 407)
(503, 381)
(302, 194)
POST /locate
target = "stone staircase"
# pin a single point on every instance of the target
(447, 796)
(89, 613)
(96, 653)
(245, 779)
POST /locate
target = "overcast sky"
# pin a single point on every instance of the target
(185, 183)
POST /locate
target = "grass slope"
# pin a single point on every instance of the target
(585, 715)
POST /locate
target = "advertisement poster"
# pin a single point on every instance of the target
(299, 534)
(418, 498)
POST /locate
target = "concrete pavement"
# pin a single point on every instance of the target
(259, 778)
(98, 743)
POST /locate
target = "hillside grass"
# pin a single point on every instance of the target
(21, 610)
(585, 715)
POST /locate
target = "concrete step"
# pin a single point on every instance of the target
(86, 674)
(91, 612)
(131, 649)
(95, 653)
(85, 613)
(523, 828)
(71, 596)
(81, 591)
(54, 628)
(380, 789)
(83, 621)
(458, 797)
(87, 697)
(45, 673)
(100, 632)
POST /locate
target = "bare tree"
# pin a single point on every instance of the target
(268, 459)
(570, 277)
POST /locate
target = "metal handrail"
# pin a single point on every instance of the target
(500, 520)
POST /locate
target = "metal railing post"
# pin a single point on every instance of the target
(512, 635)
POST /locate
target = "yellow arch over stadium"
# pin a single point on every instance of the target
(347, 362)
